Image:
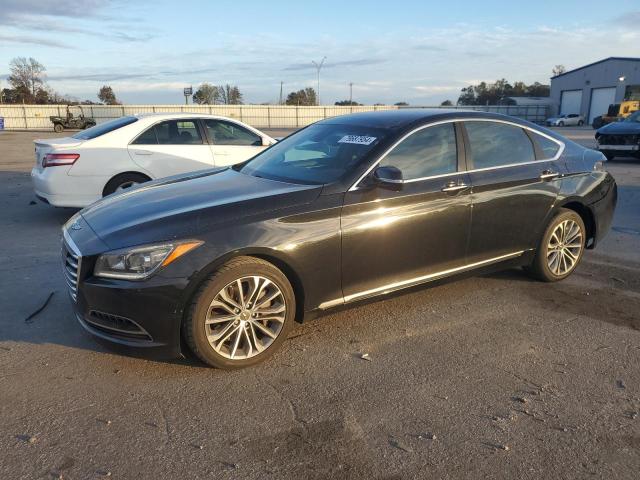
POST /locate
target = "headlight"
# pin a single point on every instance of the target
(137, 263)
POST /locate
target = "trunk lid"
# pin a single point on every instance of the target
(48, 145)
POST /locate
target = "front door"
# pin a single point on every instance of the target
(515, 184)
(231, 143)
(392, 238)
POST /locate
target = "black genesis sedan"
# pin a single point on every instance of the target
(224, 261)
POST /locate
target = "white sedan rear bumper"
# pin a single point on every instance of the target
(54, 186)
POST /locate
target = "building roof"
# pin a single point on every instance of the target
(630, 59)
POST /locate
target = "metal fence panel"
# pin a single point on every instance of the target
(36, 117)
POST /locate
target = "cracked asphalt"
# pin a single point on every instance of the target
(496, 376)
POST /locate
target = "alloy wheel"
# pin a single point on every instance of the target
(564, 247)
(125, 186)
(245, 317)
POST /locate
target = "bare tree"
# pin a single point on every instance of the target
(558, 70)
(230, 95)
(27, 77)
(207, 94)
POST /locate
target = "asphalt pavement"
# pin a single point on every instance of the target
(496, 376)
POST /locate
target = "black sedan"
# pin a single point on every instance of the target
(224, 261)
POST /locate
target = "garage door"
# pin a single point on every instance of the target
(571, 101)
(601, 98)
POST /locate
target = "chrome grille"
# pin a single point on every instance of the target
(71, 261)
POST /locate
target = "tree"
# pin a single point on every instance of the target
(305, 97)
(347, 103)
(558, 70)
(446, 103)
(493, 93)
(230, 95)
(26, 76)
(401, 104)
(207, 94)
(106, 96)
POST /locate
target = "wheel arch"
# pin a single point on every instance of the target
(275, 257)
(587, 217)
(126, 172)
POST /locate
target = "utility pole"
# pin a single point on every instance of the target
(350, 93)
(280, 102)
(318, 68)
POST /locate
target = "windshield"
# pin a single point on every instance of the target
(103, 128)
(319, 154)
(634, 117)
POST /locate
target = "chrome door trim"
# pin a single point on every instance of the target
(410, 282)
(356, 185)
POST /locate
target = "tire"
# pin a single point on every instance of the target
(580, 123)
(544, 266)
(123, 182)
(58, 128)
(561, 124)
(209, 304)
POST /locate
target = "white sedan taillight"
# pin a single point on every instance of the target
(59, 159)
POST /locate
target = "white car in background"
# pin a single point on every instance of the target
(566, 120)
(116, 155)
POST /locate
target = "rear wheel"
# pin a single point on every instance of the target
(561, 247)
(241, 315)
(58, 128)
(123, 182)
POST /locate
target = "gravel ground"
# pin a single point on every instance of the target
(489, 377)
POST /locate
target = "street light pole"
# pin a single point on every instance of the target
(350, 93)
(318, 68)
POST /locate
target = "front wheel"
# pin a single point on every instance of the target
(241, 315)
(561, 247)
(561, 124)
(580, 123)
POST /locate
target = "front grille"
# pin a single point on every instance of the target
(117, 325)
(71, 261)
(618, 139)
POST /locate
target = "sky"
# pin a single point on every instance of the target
(421, 52)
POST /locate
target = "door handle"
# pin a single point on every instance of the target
(454, 187)
(549, 175)
(143, 152)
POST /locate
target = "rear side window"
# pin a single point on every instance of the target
(549, 148)
(148, 137)
(426, 153)
(105, 127)
(178, 132)
(496, 144)
(229, 133)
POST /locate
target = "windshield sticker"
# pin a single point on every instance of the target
(357, 139)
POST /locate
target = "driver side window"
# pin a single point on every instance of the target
(426, 153)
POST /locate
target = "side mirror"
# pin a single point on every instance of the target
(389, 177)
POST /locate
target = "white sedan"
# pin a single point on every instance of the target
(113, 156)
(566, 120)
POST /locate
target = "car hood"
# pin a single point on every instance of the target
(186, 205)
(620, 128)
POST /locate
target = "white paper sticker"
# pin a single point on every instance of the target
(357, 139)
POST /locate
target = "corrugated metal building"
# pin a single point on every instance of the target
(589, 90)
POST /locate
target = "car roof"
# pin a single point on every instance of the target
(406, 117)
(179, 115)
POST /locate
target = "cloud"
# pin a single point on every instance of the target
(345, 63)
(434, 89)
(30, 40)
(628, 20)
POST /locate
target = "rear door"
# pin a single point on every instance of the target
(172, 147)
(392, 238)
(230, 142)
(515, 180)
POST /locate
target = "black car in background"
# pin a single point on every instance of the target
(620, 139)
(347, 209)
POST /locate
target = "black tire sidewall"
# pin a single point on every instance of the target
(113, 184)
(196, 317)
(540, 266)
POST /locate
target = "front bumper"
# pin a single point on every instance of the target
(626, 148)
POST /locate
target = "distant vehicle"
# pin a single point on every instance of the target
(71, 121)
(114, 156)
(567, 120)
(348, 209)
(616, 112)
(620, 139)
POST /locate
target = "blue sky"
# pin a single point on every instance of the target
(421, 52)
